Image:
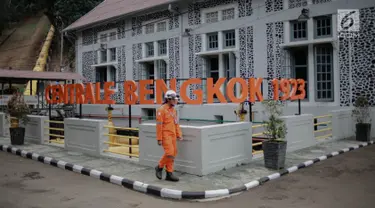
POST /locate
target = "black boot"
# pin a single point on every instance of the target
(158, 172)
(171, 177)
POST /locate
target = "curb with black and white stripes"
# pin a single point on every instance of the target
(166, 192)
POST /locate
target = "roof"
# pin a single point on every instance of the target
(111, 9)
(14, 74)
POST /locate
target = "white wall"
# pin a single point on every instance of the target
(204, 150)
(300, 132)
(85, 135)
(4, 126)
(35, 129)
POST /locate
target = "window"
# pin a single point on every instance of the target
(149, 49)
(323, 27)
(112, 51)
(213, 69)
(229, 39)
(103, 56)
(149, 73)
(161, 27)
(299, 61)
(149, 112)
(162, 69)
(228, 14)
(150, 28)
(105, 74)
(324, 72)
(212, 17)
(230, 69)
(212, 41)
(162, 47)
(299, 30)
(101, 76)
(103, 38)
(112, 36)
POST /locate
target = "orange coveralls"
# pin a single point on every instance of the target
(167, 130)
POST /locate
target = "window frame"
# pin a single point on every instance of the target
(212, 12)
(108, 35)
(220, 10)
(159, 48)
(150, 25)
(157, 26)
(226, 9)
(332, 72)
(111, 54)
(316, 19)
(293, 72)
(147, 47)
(225, 40)
(208, 41)
(101, 38)
(107, 74)
(112, 34)
(292, 24)
(101, 52)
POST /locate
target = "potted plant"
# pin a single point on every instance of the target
(17, 110)
(274, 148)
(362, 113)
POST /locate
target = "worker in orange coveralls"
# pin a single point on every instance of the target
(167, 132)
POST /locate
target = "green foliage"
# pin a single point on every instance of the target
(275, 128)
(58, 11)
(68, 11)
(361, 110)
(17, 107)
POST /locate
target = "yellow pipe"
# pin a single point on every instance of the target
(42, 61)
(322, 130)
(324, 136)
(122, 128)
(325, 116)
(317, 124)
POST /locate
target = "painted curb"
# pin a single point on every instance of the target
(166, 192)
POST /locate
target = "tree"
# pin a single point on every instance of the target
(62, 13)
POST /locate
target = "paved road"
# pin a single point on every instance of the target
(345, 181)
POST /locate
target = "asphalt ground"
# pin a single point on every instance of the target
(344, 181)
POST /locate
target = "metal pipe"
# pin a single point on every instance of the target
(130, 116)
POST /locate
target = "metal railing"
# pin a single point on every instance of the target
(191, 121)
(323, 126)
(55, 131)
(257, 138)
(122, 141)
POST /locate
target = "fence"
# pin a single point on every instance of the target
(191, 121)
(122, 141)
(323, 126)
(257, 139)
(55, 131)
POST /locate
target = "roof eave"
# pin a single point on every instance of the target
(115, 18)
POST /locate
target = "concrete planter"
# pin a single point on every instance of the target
(274, 154)
(17, 135)
(363, 132)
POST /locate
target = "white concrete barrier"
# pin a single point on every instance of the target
(300, 131)
(85, 135)
(4, 126)
(34, 129)
(343, 125)
(204, 150)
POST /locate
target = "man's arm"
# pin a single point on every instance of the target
(177, 126)
(159, 124)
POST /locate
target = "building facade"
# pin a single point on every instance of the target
(234, 38)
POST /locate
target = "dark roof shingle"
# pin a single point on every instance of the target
(113, 9)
